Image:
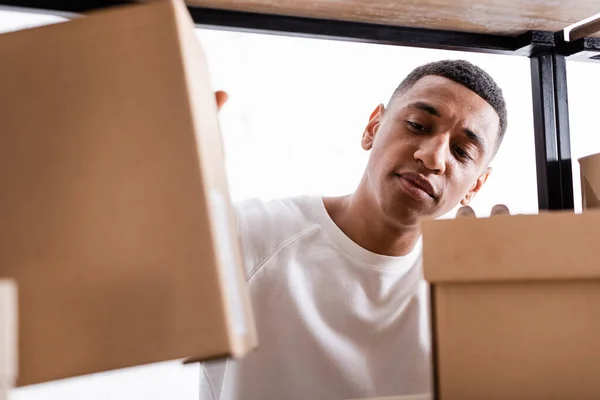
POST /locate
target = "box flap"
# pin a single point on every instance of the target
(590, 181)
(552, 245)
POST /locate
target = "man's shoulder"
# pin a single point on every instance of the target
(267, 225)
(288, 209)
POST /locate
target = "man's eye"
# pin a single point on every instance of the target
(461, 152)
(417, 127)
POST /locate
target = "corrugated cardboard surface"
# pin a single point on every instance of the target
(515, 303)
(115, 224)
(589, 168)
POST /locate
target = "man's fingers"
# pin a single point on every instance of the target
(221, 98)
(465, 212)
(500, 209)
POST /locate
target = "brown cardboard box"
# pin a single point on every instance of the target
(515, 306)
(589, 168)
(116, 220)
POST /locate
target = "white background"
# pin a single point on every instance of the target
(292, 126)
(298, 108)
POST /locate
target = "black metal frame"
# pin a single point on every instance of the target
(584, 49)
(357, 31)
(553, 159)
(547, 51)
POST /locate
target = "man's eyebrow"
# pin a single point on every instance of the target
(428, 108)
(478, 139)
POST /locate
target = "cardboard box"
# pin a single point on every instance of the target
(589, 168)
(116, 219)
(515, 306)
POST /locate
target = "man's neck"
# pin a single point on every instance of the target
(368, 228)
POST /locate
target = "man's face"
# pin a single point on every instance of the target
(429, 150)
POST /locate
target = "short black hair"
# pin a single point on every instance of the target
(468, 75)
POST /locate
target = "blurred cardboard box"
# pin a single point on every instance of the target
(589, 168)
(515, 302)
(116, 218)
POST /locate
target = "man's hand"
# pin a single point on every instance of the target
(221, 98)
(498, 209)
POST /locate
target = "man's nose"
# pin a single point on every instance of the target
(433, 153)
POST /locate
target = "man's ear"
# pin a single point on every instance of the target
(372, 127)
(476, 186)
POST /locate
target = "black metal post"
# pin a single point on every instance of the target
(551, 126)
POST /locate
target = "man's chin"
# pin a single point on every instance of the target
(405, 215)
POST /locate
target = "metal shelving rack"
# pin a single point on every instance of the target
(548, 52)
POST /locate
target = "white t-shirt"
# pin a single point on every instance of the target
(334, 320)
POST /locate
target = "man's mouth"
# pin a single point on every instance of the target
(417, 185)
